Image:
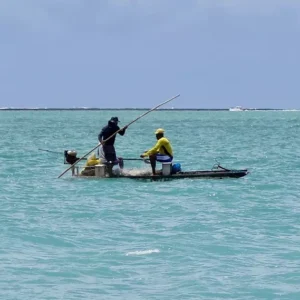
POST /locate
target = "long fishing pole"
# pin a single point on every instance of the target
(101, 143)
(56, 152)
(141, 159)
(50, 151)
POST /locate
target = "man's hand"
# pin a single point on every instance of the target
(142, 155)
(124, 128)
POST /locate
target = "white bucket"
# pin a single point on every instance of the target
(166, 168)
(100, 170)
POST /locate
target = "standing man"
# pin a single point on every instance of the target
(108, 146)
(161, 152)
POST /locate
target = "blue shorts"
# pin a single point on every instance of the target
(163, 158)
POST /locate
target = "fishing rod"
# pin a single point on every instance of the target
(141, 159)
(50, 151)
(56, 152)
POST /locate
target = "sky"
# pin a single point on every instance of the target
(139, 53)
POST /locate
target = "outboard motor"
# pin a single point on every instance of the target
(70, 157)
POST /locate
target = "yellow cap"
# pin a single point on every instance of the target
(159, 130)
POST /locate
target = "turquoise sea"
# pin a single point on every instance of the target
(72, 238)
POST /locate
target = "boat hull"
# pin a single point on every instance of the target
(218, 174)
(237, 108)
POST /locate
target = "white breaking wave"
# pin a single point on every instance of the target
(290, 110)
(143, 252)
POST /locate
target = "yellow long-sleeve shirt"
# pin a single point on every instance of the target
(159, 147)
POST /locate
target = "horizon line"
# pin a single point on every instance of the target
(132, 108)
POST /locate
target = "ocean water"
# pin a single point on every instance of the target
(72, 238)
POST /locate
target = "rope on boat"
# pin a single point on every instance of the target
(56, 152)
(217, 166)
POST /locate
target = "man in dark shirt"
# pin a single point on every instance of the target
(108, 146)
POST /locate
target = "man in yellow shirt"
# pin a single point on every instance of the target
(161, 152)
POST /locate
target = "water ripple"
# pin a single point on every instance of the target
(71, 238)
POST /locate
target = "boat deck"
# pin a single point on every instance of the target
(218, 174)
(193, 174)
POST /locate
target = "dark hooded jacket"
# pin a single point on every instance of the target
(109, 130)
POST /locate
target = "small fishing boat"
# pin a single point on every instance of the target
(169, 171)
(202, 174)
